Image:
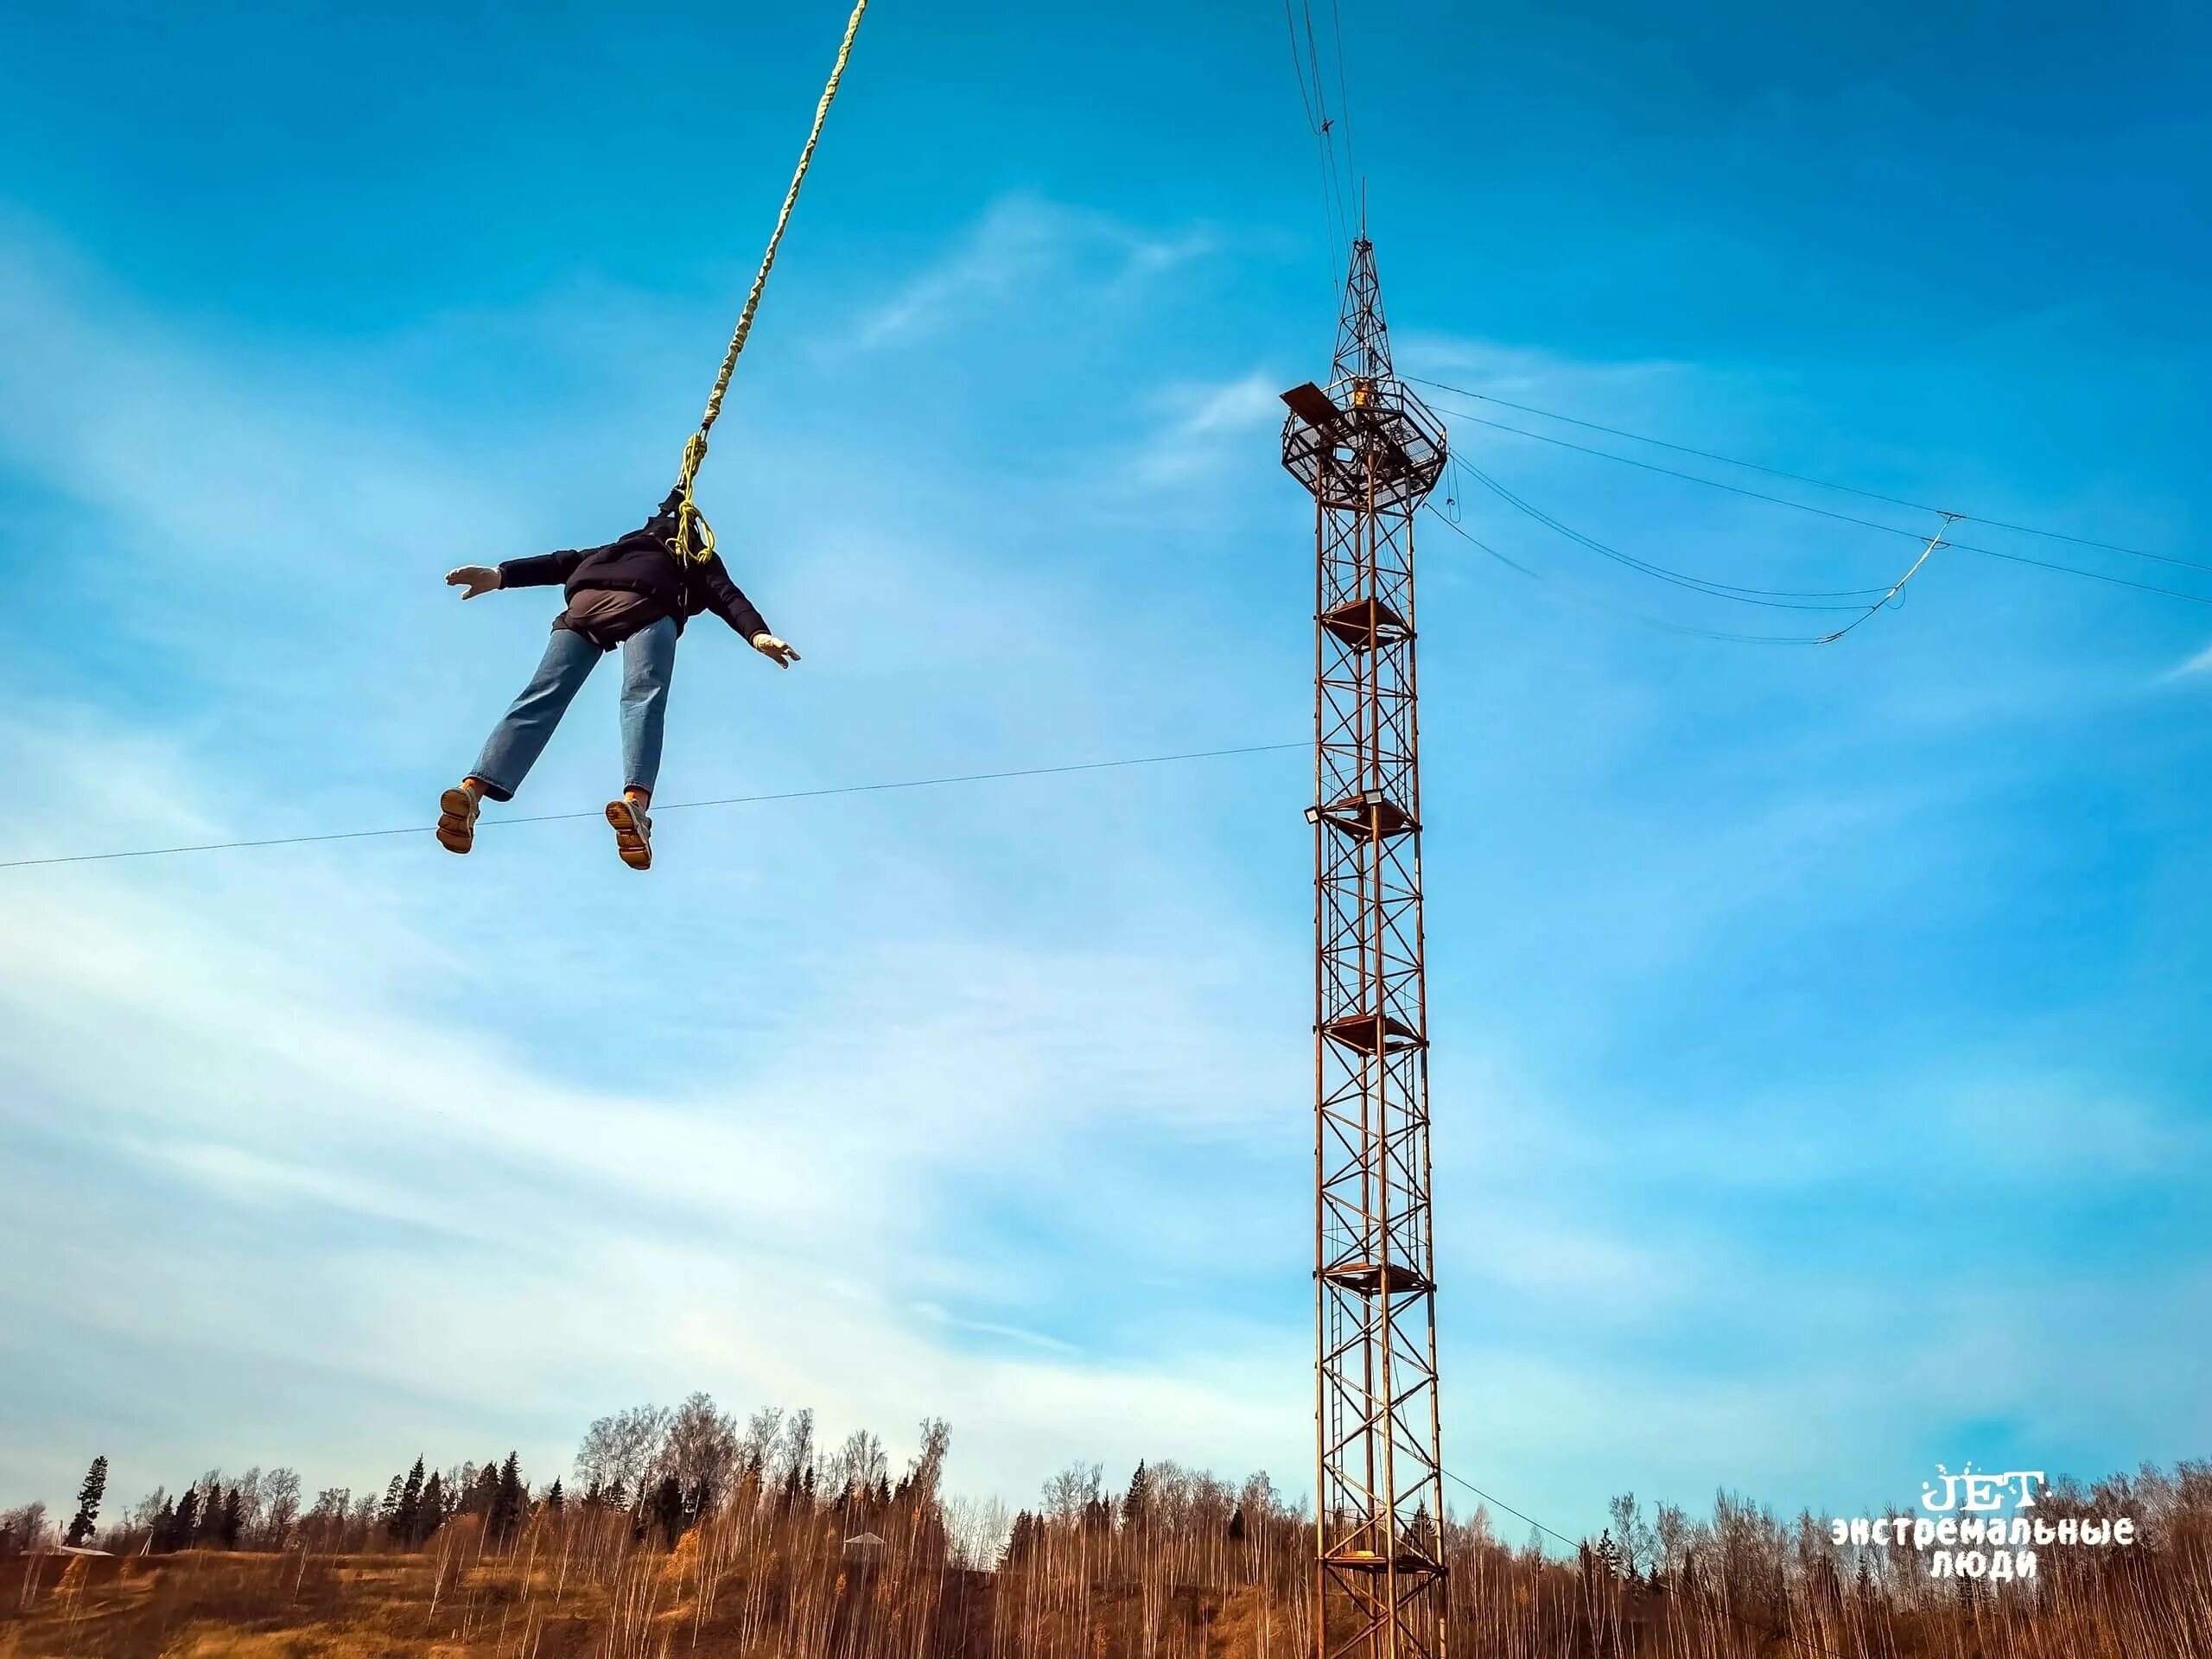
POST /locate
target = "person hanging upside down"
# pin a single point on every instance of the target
(633, 592)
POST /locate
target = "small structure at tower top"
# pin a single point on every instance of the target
(1365, 440)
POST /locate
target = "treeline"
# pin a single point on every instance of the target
(688, 1528)
(256, 1511)
(662, 1469)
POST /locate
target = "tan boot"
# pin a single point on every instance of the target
(633, 832)
(457, 810)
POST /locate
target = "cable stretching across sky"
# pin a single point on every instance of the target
(1776, 472)
(1314, 99)
(1580, 597)
(673, 806)
(1780, 599)
(1825, 512)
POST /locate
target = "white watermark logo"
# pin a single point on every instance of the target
(1981, 1493)
(1977, 1525)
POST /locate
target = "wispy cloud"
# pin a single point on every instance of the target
(1521, 372)
(992, 1328)
(1024, 241)
(2200, 664)
(1206, 424)
(192, 450)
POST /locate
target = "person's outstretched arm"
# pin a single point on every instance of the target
(728, 601)
(545, 570)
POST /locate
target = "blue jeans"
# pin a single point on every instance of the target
(648, 663)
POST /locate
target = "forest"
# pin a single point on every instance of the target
(686, 1531)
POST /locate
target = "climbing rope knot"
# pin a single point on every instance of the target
(694, 541)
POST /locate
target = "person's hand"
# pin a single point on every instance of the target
(774, 650)
(472, 580)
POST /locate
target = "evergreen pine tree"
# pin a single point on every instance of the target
(430, 1514)
(211, 1515)
(1135, 1500)
(1422, 1531)
(164, 1534)
(88, 1504)
(184, 1526)
(388, 1512)
(232, 1521)
(1236, 1525)
(483, 1491)
(553, 1499)
(667, 1510)
(507, 1501)
(406, 1522)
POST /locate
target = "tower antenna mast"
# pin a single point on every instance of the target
(1370, 452)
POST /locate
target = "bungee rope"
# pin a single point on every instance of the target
(695, 538)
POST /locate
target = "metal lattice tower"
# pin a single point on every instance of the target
(1371, 452)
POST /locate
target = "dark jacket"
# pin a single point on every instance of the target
(641, 564)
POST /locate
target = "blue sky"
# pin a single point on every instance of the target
(1820, 1064)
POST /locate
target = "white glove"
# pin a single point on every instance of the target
(774, 650)
(472, 580)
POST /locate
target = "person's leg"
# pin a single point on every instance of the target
(648, 665)
(521, 735)
(518, 739)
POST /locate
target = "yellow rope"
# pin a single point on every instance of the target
(694, 538)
